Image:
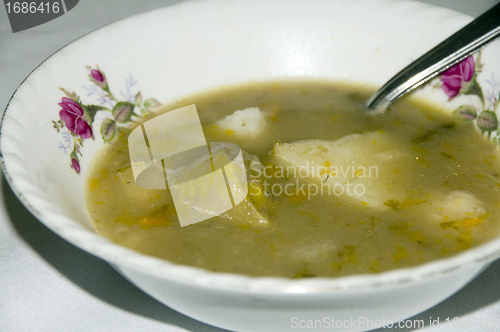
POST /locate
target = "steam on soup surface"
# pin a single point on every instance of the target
(333, 190)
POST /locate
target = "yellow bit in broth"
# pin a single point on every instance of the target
(430, 180)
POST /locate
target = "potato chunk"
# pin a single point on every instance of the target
(458, 210)
(211, 199)
(250, 211)
(247, 122)
(356, 167)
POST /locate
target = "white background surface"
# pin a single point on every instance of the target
(46, 284)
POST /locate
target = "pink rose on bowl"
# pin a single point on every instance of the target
(72, 114)
(97, 75)
(457, 76)
(75, 162)
(98, 78)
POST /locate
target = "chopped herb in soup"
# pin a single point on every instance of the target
(333, 190)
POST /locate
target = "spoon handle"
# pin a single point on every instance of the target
(451, 51)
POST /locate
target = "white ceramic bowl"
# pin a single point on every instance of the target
(170, 53)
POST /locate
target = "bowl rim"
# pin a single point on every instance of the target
(121, 256)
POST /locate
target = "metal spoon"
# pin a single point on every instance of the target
(460, 45)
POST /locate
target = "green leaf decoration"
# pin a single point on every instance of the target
(106, 88)
(123, 111)
(89, 112)
(496, 102)
(151, 102)
(145, 111)
(479, 63)
(71, 95)
(138, 99)
(473, 88)
(487, 121)
(73, 154)
(466, 112)
(108, 130)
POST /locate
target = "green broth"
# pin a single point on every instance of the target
(325, 235)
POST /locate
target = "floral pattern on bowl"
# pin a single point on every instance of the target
(462, 79)
(77, 118)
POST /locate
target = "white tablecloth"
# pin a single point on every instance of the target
(46, 284)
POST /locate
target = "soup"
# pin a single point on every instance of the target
(333, 190)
